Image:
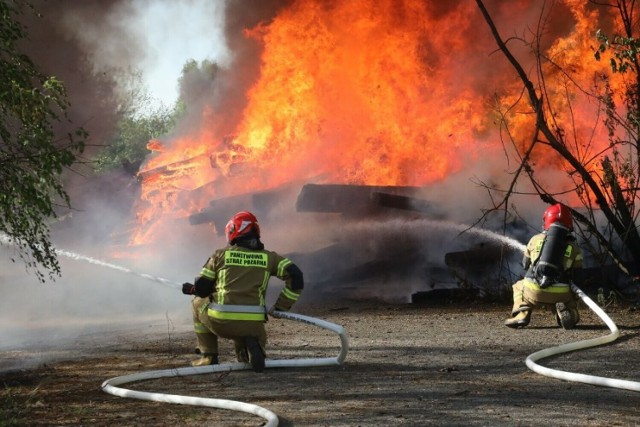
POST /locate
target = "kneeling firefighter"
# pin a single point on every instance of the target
(229, 299)
(549, 260)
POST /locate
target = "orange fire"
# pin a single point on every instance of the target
(376, 92)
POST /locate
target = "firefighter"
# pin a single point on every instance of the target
(550, 259)
(229, 293)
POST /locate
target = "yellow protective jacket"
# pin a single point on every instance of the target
(240, 279)
(559, 292)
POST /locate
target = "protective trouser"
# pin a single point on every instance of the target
(207, 340)
(208, 329)
(528, 295)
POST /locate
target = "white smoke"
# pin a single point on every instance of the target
(100, 292)
(156, 37)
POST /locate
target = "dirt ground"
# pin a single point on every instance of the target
(408, 364)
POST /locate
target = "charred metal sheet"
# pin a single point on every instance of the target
(260, 203)
(345, 198)
(407, 203)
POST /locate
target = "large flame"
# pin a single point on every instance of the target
(354, 96)
(377, 92)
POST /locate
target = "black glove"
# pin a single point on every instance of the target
(188, 288)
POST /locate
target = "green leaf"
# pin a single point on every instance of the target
(32, 157)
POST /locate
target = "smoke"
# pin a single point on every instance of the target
(215, 91)
(93, 48)
(96, 48)
(93, 45)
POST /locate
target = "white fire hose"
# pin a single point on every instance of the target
(110, 385)
(580, 345)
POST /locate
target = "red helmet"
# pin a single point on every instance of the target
(558, 213)
(241, 224)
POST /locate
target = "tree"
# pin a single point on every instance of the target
(604, 177)
(141, 119)
(128, 147)
(32, 155)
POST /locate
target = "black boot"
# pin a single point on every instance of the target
(256, 356)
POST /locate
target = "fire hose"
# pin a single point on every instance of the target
(111, 385)
(580, 345)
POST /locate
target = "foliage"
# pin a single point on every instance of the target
(32, 156)
(605, 301)
(625, 49)
(141, 120)
(129, 145)
(14, 405)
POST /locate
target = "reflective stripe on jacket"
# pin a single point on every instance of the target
(237, 312)
(241, 278)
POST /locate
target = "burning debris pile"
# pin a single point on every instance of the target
(339, 97)
(351, 111)
(353, 93)
(348, 200)
(378, 235)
